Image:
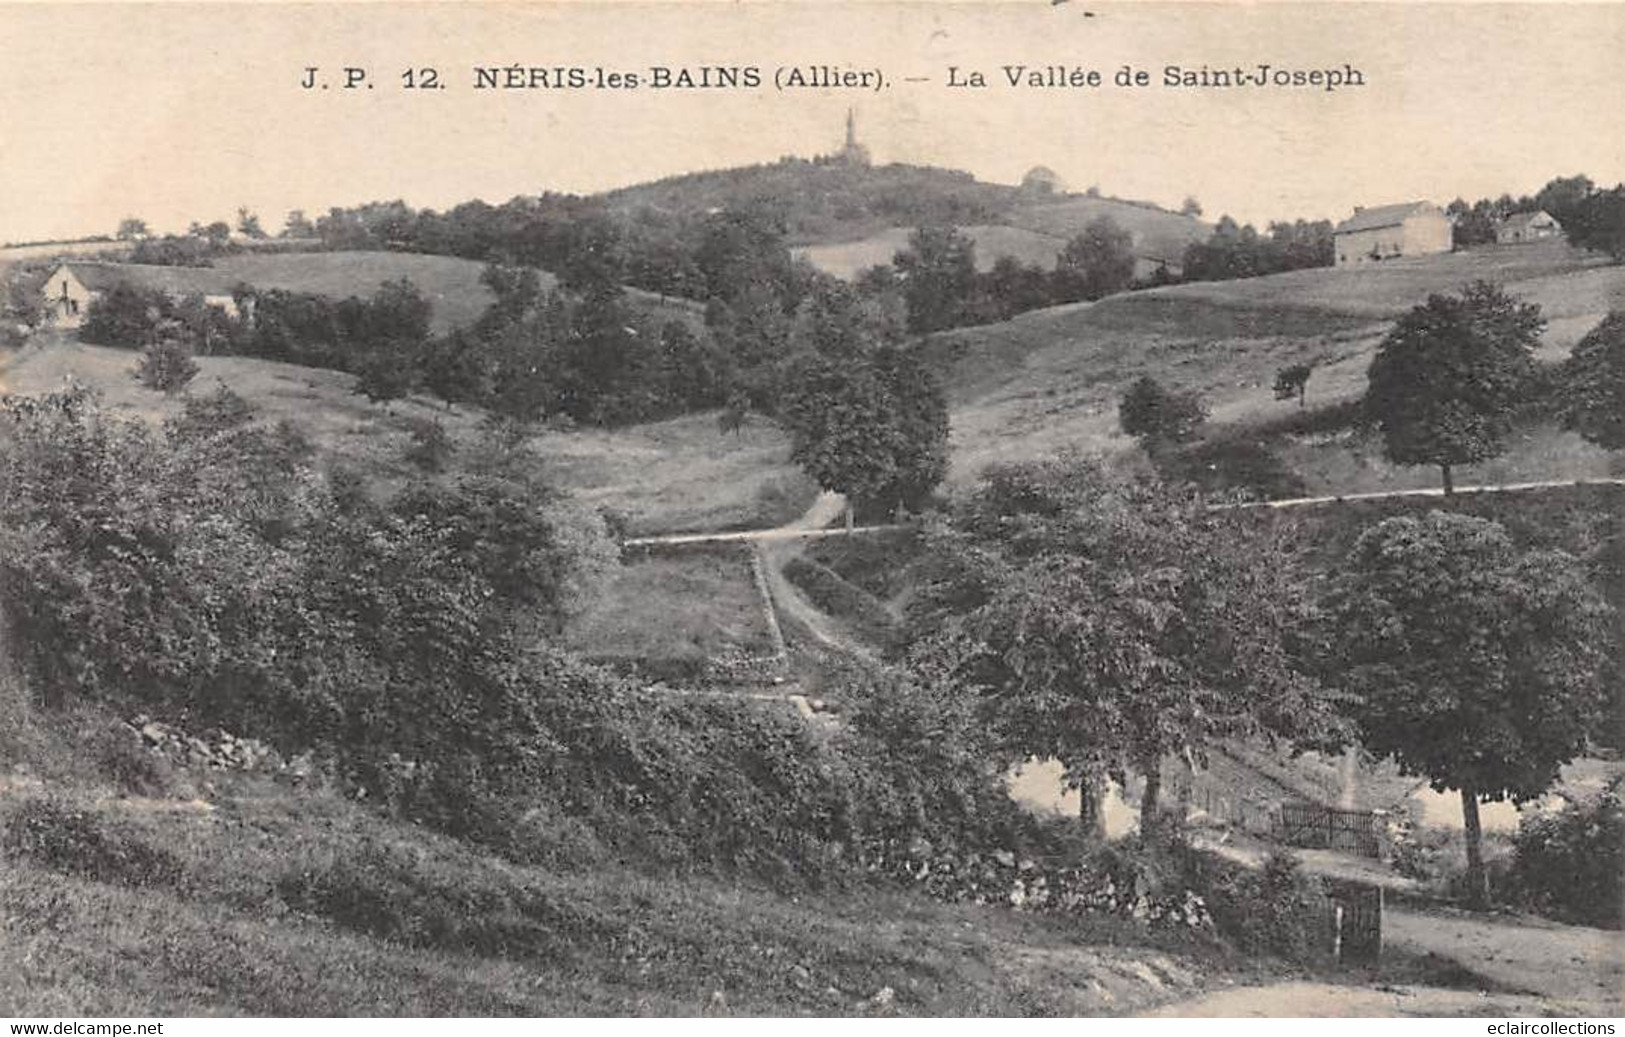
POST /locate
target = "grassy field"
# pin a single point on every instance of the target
(1050, 379)
(845, 260)
(452, 285)
(674, 609)
(1157, 232)
(670, 476)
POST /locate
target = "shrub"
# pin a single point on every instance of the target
(166, 365)
(1274, 910)
(63, 838)
(1571, 864)
(431, 446)
(1154, 415)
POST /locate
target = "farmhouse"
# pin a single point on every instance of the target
(1521, 227)
(72, 287)
(1390, 231)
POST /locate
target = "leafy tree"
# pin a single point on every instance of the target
(124, 315)
(1593, 390)
(453, 367)
(248, 224)
(1095, 263)
(938, 272)
(1563, 196)
(217, 234)
(1477, 664)
(1448, 378)
(873, 428)
(1293, 380)
(297, 225)
(1190, 207)
(387, 371)
(1111, 622)
(167, 364)
(131, 228)
(1155, 415)
(1598, 223)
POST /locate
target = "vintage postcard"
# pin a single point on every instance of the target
(868, 509)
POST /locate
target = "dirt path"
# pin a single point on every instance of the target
(1565, 963)
(1329, 1000)
(1460, 491)
(777, 550)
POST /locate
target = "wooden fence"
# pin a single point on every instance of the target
(1313, 826)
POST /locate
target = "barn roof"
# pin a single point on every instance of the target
(1525, 220)
(1382, 216)
(172, 280)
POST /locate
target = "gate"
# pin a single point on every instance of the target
(1353, 912)
(1312, 826)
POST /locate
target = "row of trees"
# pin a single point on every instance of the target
(1114, 622)
(941, 286)
(1236, 251)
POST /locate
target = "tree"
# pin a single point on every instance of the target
(1155, 415)
(217, 234)
(1293, 380)
(1598, 223)
(938, 271)
(1448, 378)
(130, 228)
(297, 225)
(166, 364)
(248, 224)
(388, 371)
(1190, 207)
(1593, 384)
(874, 428)
(124, 315)
(1111, 622)
(1095, 263)
(1477, 664)
(1563, 196)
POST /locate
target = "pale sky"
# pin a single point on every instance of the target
(180, 112)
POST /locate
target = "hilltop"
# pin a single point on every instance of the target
(843, 216)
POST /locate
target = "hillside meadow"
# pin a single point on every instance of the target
(1050, 379)
(680, 475)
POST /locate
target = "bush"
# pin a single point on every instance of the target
(1276, 910)
(432, 446)
(1571, 864)
(1155, 415)
(64, 838)
(166, 365)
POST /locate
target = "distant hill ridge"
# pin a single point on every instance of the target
(831, 202)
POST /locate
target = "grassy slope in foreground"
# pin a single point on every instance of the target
(416, 924)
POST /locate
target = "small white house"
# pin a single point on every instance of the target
(73, 286)
(1522, 227)
(1390, 231)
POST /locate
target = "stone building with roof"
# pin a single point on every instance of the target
(1390, 231)
(1522, 227)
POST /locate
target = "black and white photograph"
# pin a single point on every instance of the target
(890, 510)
